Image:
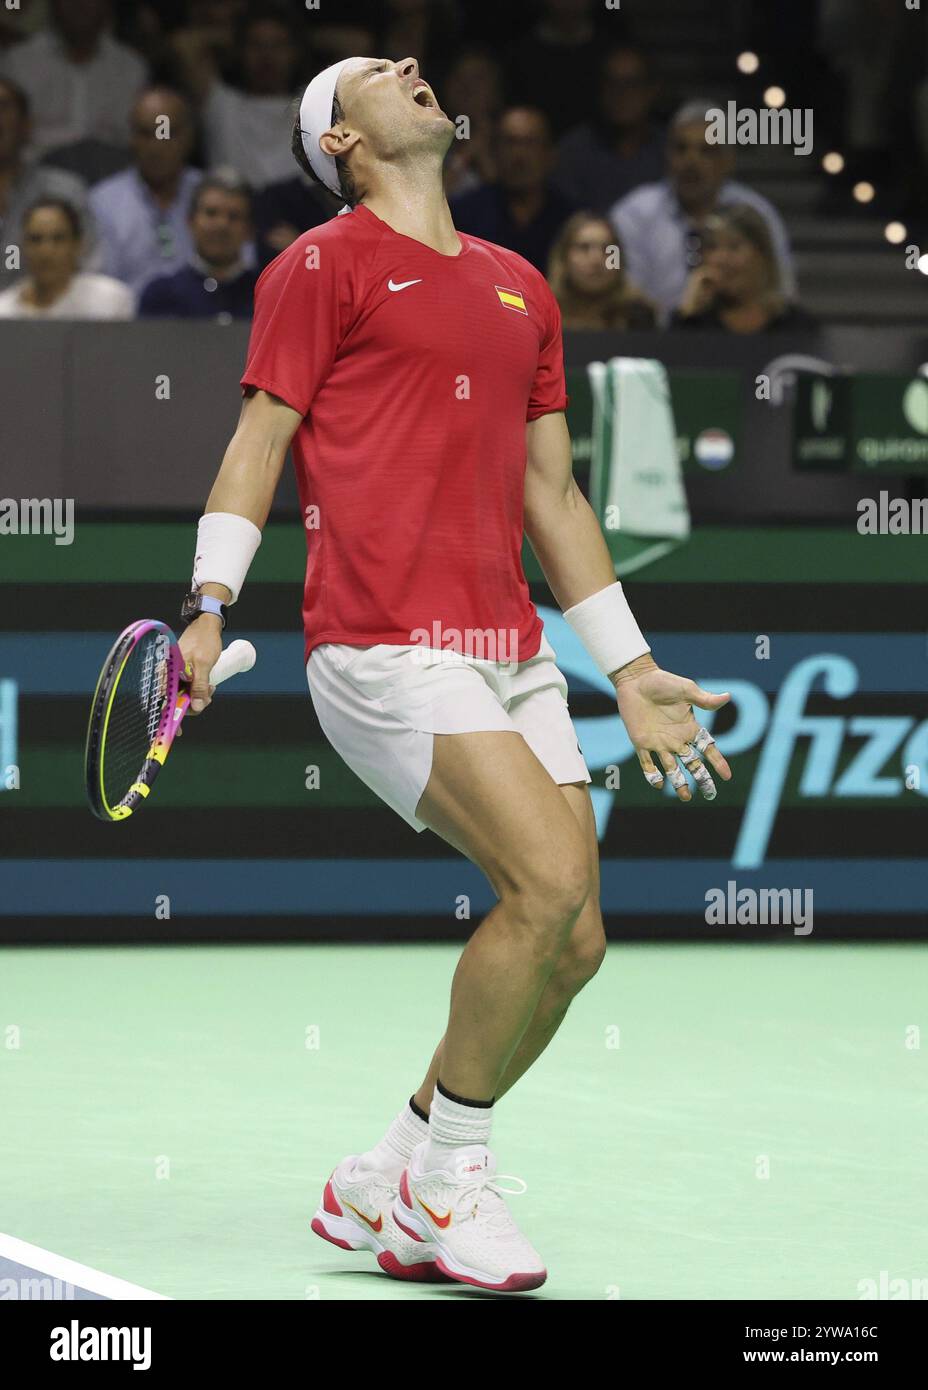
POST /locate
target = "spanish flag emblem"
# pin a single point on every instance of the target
(511, 299)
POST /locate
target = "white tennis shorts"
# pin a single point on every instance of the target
(380, 706)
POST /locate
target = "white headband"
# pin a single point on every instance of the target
(316, 119)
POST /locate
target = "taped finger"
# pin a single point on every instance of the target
(703, 779)
(650, 771)
(702, 740)
(674, 773)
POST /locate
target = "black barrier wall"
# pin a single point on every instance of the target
(137, 416)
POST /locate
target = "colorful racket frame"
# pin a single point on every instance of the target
(175, 707)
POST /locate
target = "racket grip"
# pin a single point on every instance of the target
(238, 656)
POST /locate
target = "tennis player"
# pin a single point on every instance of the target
(419, 376)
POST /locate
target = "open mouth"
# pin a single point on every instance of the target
(422, 95)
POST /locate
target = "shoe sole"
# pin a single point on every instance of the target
(348, 1234)
(416, 1228)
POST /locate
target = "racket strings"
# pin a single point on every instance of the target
(135, 715)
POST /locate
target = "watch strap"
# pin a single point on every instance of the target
(196, 603)
(208, 604)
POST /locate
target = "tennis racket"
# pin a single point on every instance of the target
(141, 697)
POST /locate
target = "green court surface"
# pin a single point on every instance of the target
(171, 1115)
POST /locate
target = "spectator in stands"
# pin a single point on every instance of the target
(23, 182)
(143, 213)
(339, 33)
(222, 16)
(738, 288)
(430, 30)
(601, 160)
(861, 39)
(550, 66)
(660, 224)
(217, 283)
(520, 210)
(247, 127)
(79, 80)
(53, 287)
(586, 275)
(472, 89)
(285, 210)
(91, 161)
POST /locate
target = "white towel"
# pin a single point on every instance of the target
(636, 482)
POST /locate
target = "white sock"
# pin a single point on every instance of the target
(453, 1126)
(394, 1151)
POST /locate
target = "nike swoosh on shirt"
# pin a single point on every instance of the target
(404, 286)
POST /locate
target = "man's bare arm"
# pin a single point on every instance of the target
(655, 705)
(251, 468)
(245, 486)
(561, 524)
(559, 521)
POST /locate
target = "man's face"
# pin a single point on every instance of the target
(626, 93)
(160, 148)
(269, 59)
(14, 126)
(523, 151)
(220, 226)
(697, 169)
(392, 108)
(80, 20)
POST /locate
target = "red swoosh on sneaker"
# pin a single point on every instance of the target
(374, 1225)
(440, 1221)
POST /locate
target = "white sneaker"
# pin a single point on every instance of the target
(459, 1212)
(356, 1213)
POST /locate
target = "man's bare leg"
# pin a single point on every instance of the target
(490, 796)
(577, 963)
(578, 955)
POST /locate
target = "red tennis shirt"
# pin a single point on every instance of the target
(415, 374)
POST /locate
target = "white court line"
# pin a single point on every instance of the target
(69, 1271)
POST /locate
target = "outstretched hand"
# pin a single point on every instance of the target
(656, 708)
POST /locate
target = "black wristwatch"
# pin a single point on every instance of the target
(196, 603)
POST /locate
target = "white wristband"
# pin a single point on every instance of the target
(606, 626)
(226, 545)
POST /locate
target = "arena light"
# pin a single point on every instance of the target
(922, 263)
(864, 192)
(833, 162)
(747, 63)
(775, 96)
(895, 232)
